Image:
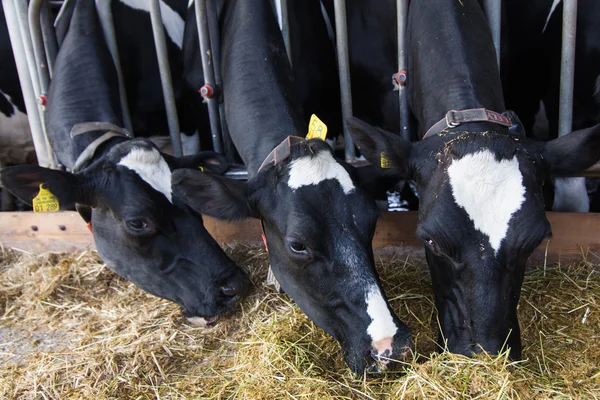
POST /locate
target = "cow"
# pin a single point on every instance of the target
(141, 73)
(481, 211)
(122, 187)
(16, 144)
(531, 72)
(318, 222)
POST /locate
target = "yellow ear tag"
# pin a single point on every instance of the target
(45, 201)
(316, 128)
(385, 162)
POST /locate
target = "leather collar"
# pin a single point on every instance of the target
(281, 152)
(455, 118)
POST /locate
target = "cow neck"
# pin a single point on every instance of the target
(462, 73)
(89, 153)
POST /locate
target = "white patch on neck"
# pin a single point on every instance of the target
(490, 191)
(382, 324)
(172, 21)
(554, 5)
(151, 167)
(311, 170)
(16, 143)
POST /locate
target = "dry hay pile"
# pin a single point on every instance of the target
(72, 329)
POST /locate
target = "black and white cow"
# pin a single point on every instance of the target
(141, 73)
(123, 187)
(317, 220)
(16, 144)
(531, 73)
(481, 211)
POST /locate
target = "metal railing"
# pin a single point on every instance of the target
(34, 46)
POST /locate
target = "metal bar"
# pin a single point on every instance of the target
(493, 12)
(215, 43)
(344, 69)
(567, 67)
(37, 41)
(209, 74)
(49, 36)
(104, 10)
(402, 14)
(16, 21)
(165, 76)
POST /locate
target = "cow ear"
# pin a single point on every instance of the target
(574, 152)
(212, 195)
(24, 182)
(386, 151)
(205, 161)
(374, 181)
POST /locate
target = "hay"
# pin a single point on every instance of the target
(70, 329)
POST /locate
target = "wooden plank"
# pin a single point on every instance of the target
(574, 234)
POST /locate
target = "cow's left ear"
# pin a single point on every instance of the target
(212, 195)
(574, 152)
(208, 160)
(386, 151)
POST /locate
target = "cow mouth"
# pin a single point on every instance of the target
(203, 322)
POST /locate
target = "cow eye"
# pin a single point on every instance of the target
(298, 248)
(138, 225)
(429, 242)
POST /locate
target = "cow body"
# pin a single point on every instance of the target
(481, 210)
(16, 144)
(123, 186)
(317, 220)
(531, 74)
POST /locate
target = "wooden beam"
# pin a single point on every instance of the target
(574, 234)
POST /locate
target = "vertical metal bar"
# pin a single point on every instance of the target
(402, 14)
(209, 73)
(344, 69)
(37, 41)
(493, 12)
(42, 147)
(285, 27)
(165, 76)
(215, 43)
(567, 66)
(104, 10)
(49, 36)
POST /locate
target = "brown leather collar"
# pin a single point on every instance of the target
(281, 152)
(455, 118)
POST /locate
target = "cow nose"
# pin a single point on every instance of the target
(384, 353)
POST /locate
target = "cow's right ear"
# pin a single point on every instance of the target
(24, 182)
(212, 195)
(386, 151)
(208, 160)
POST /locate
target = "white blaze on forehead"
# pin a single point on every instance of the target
(382, 324)
(172, 21)
(490, 191)
(313, 169)
(151, 167)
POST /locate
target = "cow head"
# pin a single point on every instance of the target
(481, 215)
(319, 225)
(143, 232)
